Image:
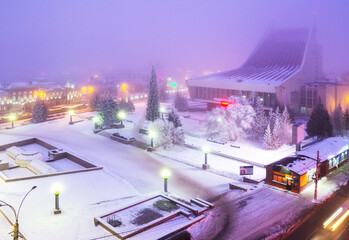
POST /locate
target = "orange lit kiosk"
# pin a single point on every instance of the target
(292, 173)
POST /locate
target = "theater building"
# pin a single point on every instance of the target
(284, 69)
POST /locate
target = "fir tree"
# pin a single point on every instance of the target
(107, 110)
(338, 121)
(286, 126)
(123, 105)
(268, 139)
(260, 120)
(175, 119)
(277, 135)
(319, 123)
(40, 111)
(153, 98)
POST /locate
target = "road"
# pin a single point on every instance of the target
(312, 228)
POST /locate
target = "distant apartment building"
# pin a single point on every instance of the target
(285, 69)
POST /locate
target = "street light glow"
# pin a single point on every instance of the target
(95, 119)
(165, 173)
(121, 115)
(57, 188)
(162, 109)
(71, 112)
(12, 117)
(206, 149)
(151, 134)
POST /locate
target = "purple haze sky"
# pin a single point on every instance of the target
(76, 38)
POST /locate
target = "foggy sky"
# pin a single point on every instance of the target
(76, 38)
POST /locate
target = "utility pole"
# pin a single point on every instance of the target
(317, 175)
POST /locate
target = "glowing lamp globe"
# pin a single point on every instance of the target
(162, 109)
(206, 149)
(121, 115)
(165, 173)
(12, 117)
(151, 134)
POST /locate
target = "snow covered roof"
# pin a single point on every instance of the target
(305, 159)
(18, 85)
(300, 165)
(327, 148)
(275, 60)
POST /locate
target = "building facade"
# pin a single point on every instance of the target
(285, 69)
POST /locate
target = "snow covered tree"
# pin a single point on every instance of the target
(277, 134)
(338, 121)
(153, 98)
(175, 119)
(107, 110)
(260, 120)
(286, 126)
(216, 122)
(94, 100)
(268, 139)
(274, 115)
(40, 111)
(253, 100)
(180, 103)
(126, 106)
(232, 122)
(319, 123)
(166, 135)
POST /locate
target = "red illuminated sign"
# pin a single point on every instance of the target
(225, 104)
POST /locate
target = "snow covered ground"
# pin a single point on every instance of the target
(130, 173)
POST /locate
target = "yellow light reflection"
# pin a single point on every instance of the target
(340, 220)
(334, 215)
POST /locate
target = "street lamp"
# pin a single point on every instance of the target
(165, 173)
(317, 172)
(57, 188)
(16, 225)
(71, 113)
(12, 118)
(121, 116)
(206, 150)
(162, 110)
(97, 121)
(151, 134)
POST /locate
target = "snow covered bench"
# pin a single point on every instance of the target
(3, 165)
(33, 161)
(40, 167)
(14, 151)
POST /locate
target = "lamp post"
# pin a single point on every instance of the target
(16, 225)
(12, 118)
(121, 116)
(71, 113)
(316, 179)
(57, 210)
(162, 110)
(96, 120)
(206, 150)
(151, 134)
(165, 173)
